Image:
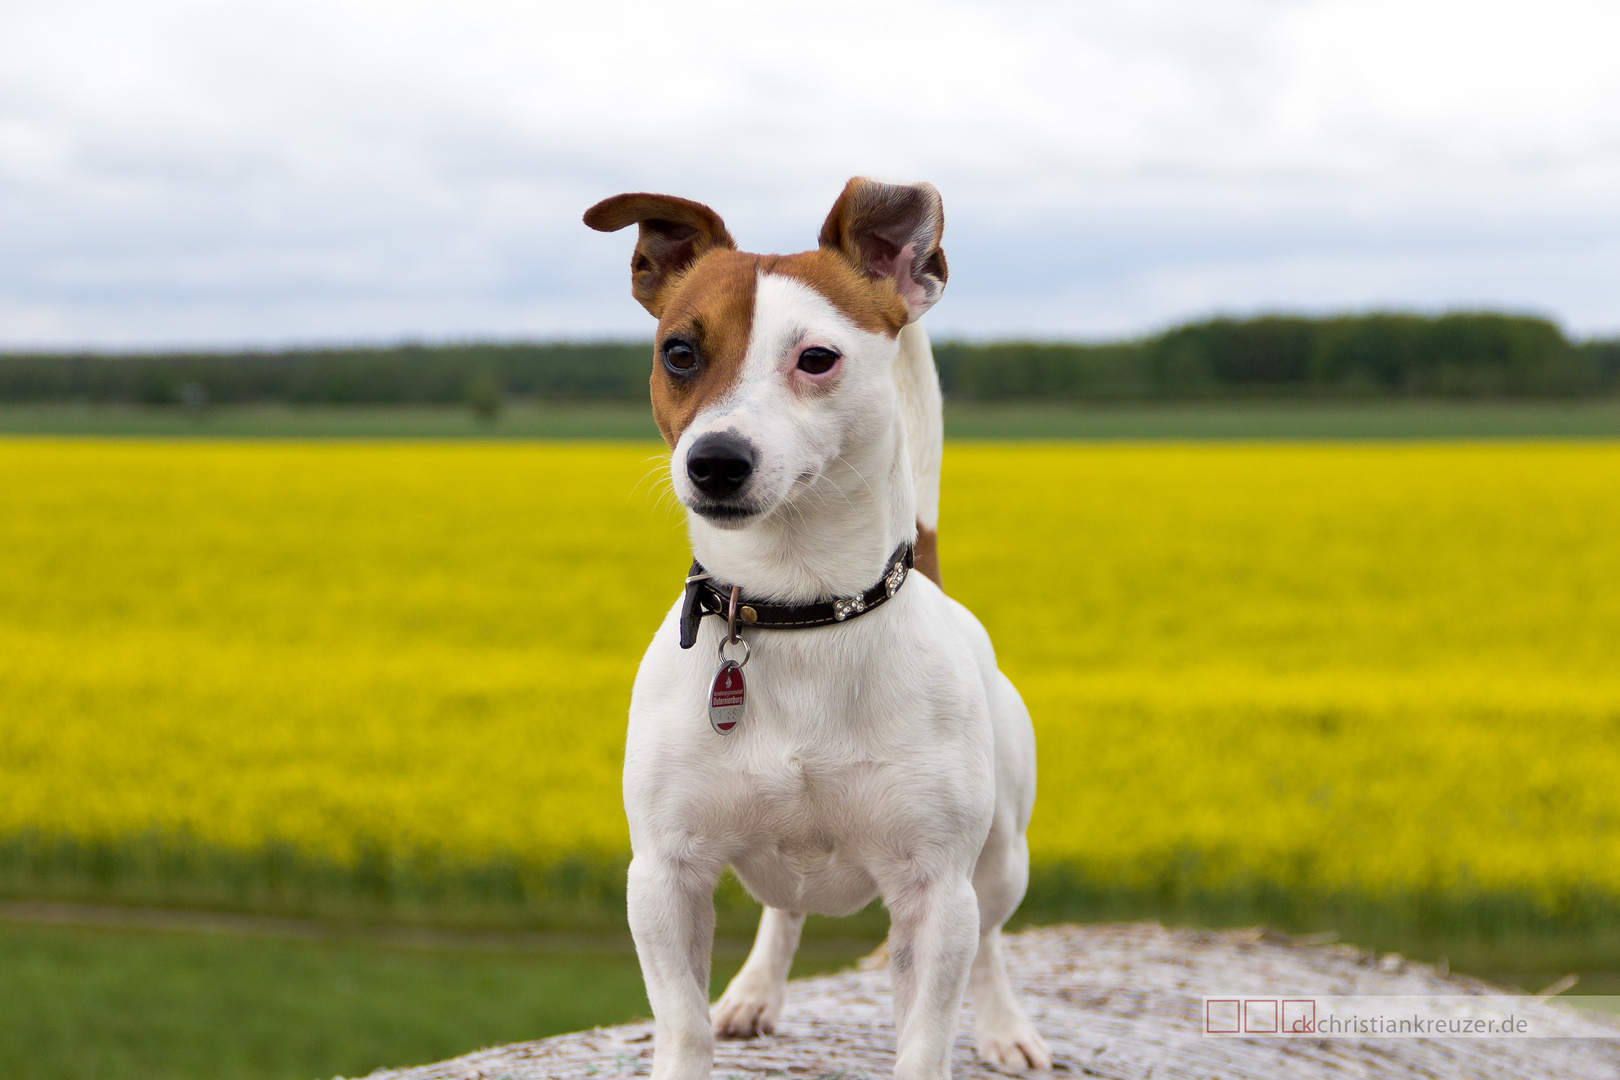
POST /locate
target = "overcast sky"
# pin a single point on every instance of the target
(215, 173)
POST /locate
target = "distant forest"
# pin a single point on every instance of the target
(1376, 355)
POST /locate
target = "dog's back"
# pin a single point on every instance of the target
(922, 409)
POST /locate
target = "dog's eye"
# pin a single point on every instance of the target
(817, 360)
(679, 356)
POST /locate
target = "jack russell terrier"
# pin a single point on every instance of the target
(838, 730)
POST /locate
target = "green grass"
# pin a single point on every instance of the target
(95, 1004)
(584, 420)
(104, 1004)
(1511, 939)
(574, 896)
(1378, 419)
(1288, 420)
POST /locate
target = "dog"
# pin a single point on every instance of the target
(815, 712)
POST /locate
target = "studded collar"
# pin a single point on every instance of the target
(706, 597)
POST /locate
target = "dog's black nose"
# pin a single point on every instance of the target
(719, 464)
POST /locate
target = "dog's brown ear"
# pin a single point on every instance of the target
(674, 233)
(892, 231)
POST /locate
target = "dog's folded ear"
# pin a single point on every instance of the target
(674, 234)
(892, 231)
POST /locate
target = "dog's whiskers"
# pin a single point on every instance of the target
(859, 477)
(660, 484)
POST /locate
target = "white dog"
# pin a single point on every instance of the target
(870, 747)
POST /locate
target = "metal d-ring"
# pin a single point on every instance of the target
(746, 652)
(732, 637)
(731, 616)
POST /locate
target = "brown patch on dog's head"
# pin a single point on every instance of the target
(879, 263)
(873, 304)
(709, 308)
(687, 272)
(675, 233)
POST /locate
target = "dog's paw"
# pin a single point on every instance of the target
(1013, 1044)
(746, 1010)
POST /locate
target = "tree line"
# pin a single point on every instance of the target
(1374, 355)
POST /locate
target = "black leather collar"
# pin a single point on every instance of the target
(705, 597)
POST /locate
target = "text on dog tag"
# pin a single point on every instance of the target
(726, 697)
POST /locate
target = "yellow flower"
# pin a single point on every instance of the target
(1379, 667)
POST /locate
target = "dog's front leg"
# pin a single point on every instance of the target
(933, 934)
(671, 904)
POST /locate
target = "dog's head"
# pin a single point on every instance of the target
(766, 367)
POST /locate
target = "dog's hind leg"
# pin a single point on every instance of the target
(1004, 1035)
(671, 904)
(752, 1002)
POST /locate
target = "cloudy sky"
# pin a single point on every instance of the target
(217, 173)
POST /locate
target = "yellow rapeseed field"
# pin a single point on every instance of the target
(1378, 667)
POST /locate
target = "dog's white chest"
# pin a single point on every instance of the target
(858, 746)
(805, 833)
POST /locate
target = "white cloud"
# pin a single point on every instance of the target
(208, 172)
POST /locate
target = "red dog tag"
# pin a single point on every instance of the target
(726, 697)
